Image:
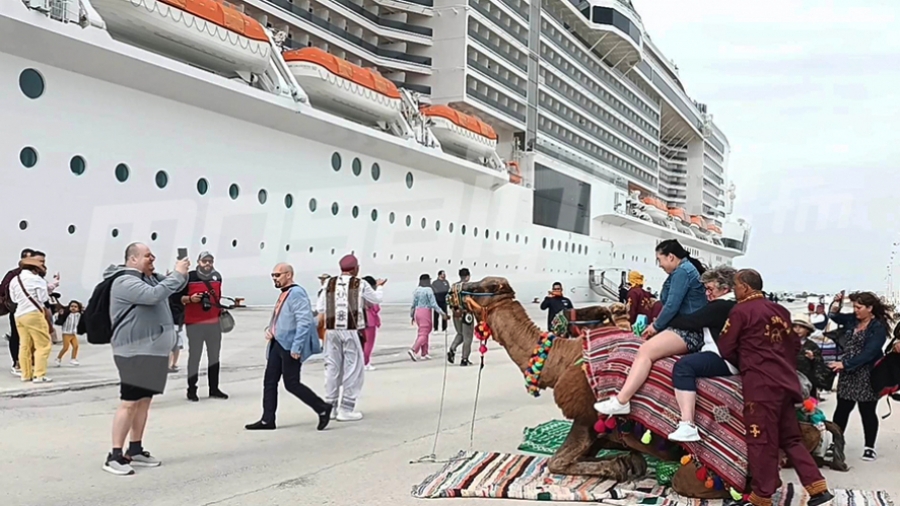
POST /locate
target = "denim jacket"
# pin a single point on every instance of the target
(875, 336)
(682, 294)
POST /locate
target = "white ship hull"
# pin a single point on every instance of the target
(110, 104)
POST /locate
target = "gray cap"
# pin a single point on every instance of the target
(205, 254)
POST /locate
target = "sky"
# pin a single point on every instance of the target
(807, 94)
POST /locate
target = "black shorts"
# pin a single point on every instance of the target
(142, 376)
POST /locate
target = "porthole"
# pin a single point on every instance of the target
(202, 186)
(310, 249)
(312, 205)
(332, 251)
(262, 245)
(262, 196)
(487, 234)
(287, 247)
(544, 245)
(203, 240)
(422, 260)
(31, 82)
(355, 211)
(567, 247)
(357, 167)
(334, 208)
(28, 157)
(23, 225)
(551, 244)
(336, 161)
(517, 238)
(559, 248)
(374, 214)
(408, 220)
(462, 230)
(162, 179)
(234, 243)
(288, 201)
(526, 242)
(234, 191)
(475, 232)
(585, 250)
(376, 171)
(507, 237)
(77, 165)
(450, 228)
(437, 226)
(114, 232)
(374, 255)
(392, 256)
(122, 172)
(409, 180)
(71, 229)
(154, 236)
(424, 222)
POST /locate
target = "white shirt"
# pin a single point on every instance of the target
(710, 345)
(37, 288)
(366, 293)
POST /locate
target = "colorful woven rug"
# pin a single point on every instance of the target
(609, 354)
(502, 475)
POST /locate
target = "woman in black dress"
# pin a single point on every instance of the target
(867, 331)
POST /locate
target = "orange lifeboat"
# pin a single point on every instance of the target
(698, 222)
(206, 33)
(461, 134)
(515, 174)
(336, 85)
(680, 214)
(714, 229)
(655, 207)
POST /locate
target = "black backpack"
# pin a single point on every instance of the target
(7, 306)
(885, 375)
(95, 321)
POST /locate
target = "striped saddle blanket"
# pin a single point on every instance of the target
(608, 355)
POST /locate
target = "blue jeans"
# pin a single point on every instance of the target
(704, 364)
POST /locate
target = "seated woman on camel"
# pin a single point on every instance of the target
(682, 294)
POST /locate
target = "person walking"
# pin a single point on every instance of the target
(441, 287)
(9, 307)
(373, 321)
(867, 331)
(68, 319)
(28, 291)
(555, 302)
(201, 299)
(420, 313)
(292, 339)
(342, 305)
(463, 322)
(143, 336)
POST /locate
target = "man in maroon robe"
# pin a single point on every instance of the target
(759, 340)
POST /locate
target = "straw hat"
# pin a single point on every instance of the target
(802, 320)
(324, 276)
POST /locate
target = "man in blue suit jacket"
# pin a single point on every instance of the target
(293, 339)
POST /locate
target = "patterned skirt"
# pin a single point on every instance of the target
(691, 338)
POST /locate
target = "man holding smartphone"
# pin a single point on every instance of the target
(201, 299)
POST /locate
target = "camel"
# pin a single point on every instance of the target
(493, 300)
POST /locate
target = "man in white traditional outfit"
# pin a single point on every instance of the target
(342, 305)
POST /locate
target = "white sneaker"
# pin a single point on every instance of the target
(74, 362)
(412, 355)
(349, 416)
(42, 379)
(426, 357)
(370, 367)
(334, 411)
(15, 372)
(58, 362)
(685, 433)
(612, 407)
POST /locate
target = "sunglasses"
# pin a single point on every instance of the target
(276, 275)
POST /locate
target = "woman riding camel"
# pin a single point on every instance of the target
(682, 294)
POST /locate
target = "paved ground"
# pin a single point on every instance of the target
(54, 444)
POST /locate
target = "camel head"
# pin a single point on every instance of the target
(574, 323)
(485, 294)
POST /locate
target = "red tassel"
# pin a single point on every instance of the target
(610, 423)
(708, 483)
(701, 473)
(600, 426)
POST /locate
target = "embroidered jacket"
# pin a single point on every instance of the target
(343, 302)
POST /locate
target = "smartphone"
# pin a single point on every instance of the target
(182, 253)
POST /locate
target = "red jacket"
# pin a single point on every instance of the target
(193, 312)
(640, 302)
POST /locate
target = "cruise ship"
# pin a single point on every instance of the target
(539, 140)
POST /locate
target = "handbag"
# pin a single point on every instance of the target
(885, 376)
(226, 321)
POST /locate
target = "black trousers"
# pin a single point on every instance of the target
(200, 334)
(280, 365)
(866, 411)
(13, 340)
(436, 317)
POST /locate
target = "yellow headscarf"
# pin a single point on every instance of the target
(635, 278)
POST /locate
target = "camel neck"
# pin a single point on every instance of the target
(515, 332)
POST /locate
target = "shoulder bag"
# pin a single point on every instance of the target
(226, 321)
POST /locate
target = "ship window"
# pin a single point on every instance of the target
(31, 82)
(487, 234)
(567, 247)
(450, 228)
(202, 186)
(517, 238)
(310, 249)
(332, 251)
(288, 201)
(376, 171)
(374, 214)
(355, 211)
(162, 179)
(234, 243)
(437, 225)
(28, 157)
(262, 245)
(114, 232)
(77, 165)
(391, 217)
(357, 167)
(408, 220)
(544, 243)
(122, 172)
(475, 232)
(312, 205)
(233, 191)
(424, 222)
(287, 247)
(507, 237)
(71, 229)
(409, 180)
(334, 208)
(23, 225)
(463, 230)
(262, 196)
(203, 240)
(154, 236)
(336, 161)
(526, 242)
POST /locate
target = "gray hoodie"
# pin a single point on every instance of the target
(148, 329)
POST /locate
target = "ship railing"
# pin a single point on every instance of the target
(79, 12)
(603, 287)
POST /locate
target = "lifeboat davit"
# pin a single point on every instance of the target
(205, 33)
(338, 86)
(655, 207)
(461, 134)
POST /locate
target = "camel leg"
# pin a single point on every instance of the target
(573, 458)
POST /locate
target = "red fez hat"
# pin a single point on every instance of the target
(348, 263)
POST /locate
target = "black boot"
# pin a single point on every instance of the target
(325, 417)
(451, 356)
(217, 394)
(192, 395)
(260, 425)
(464, 362)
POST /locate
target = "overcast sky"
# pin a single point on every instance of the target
(806, 92)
